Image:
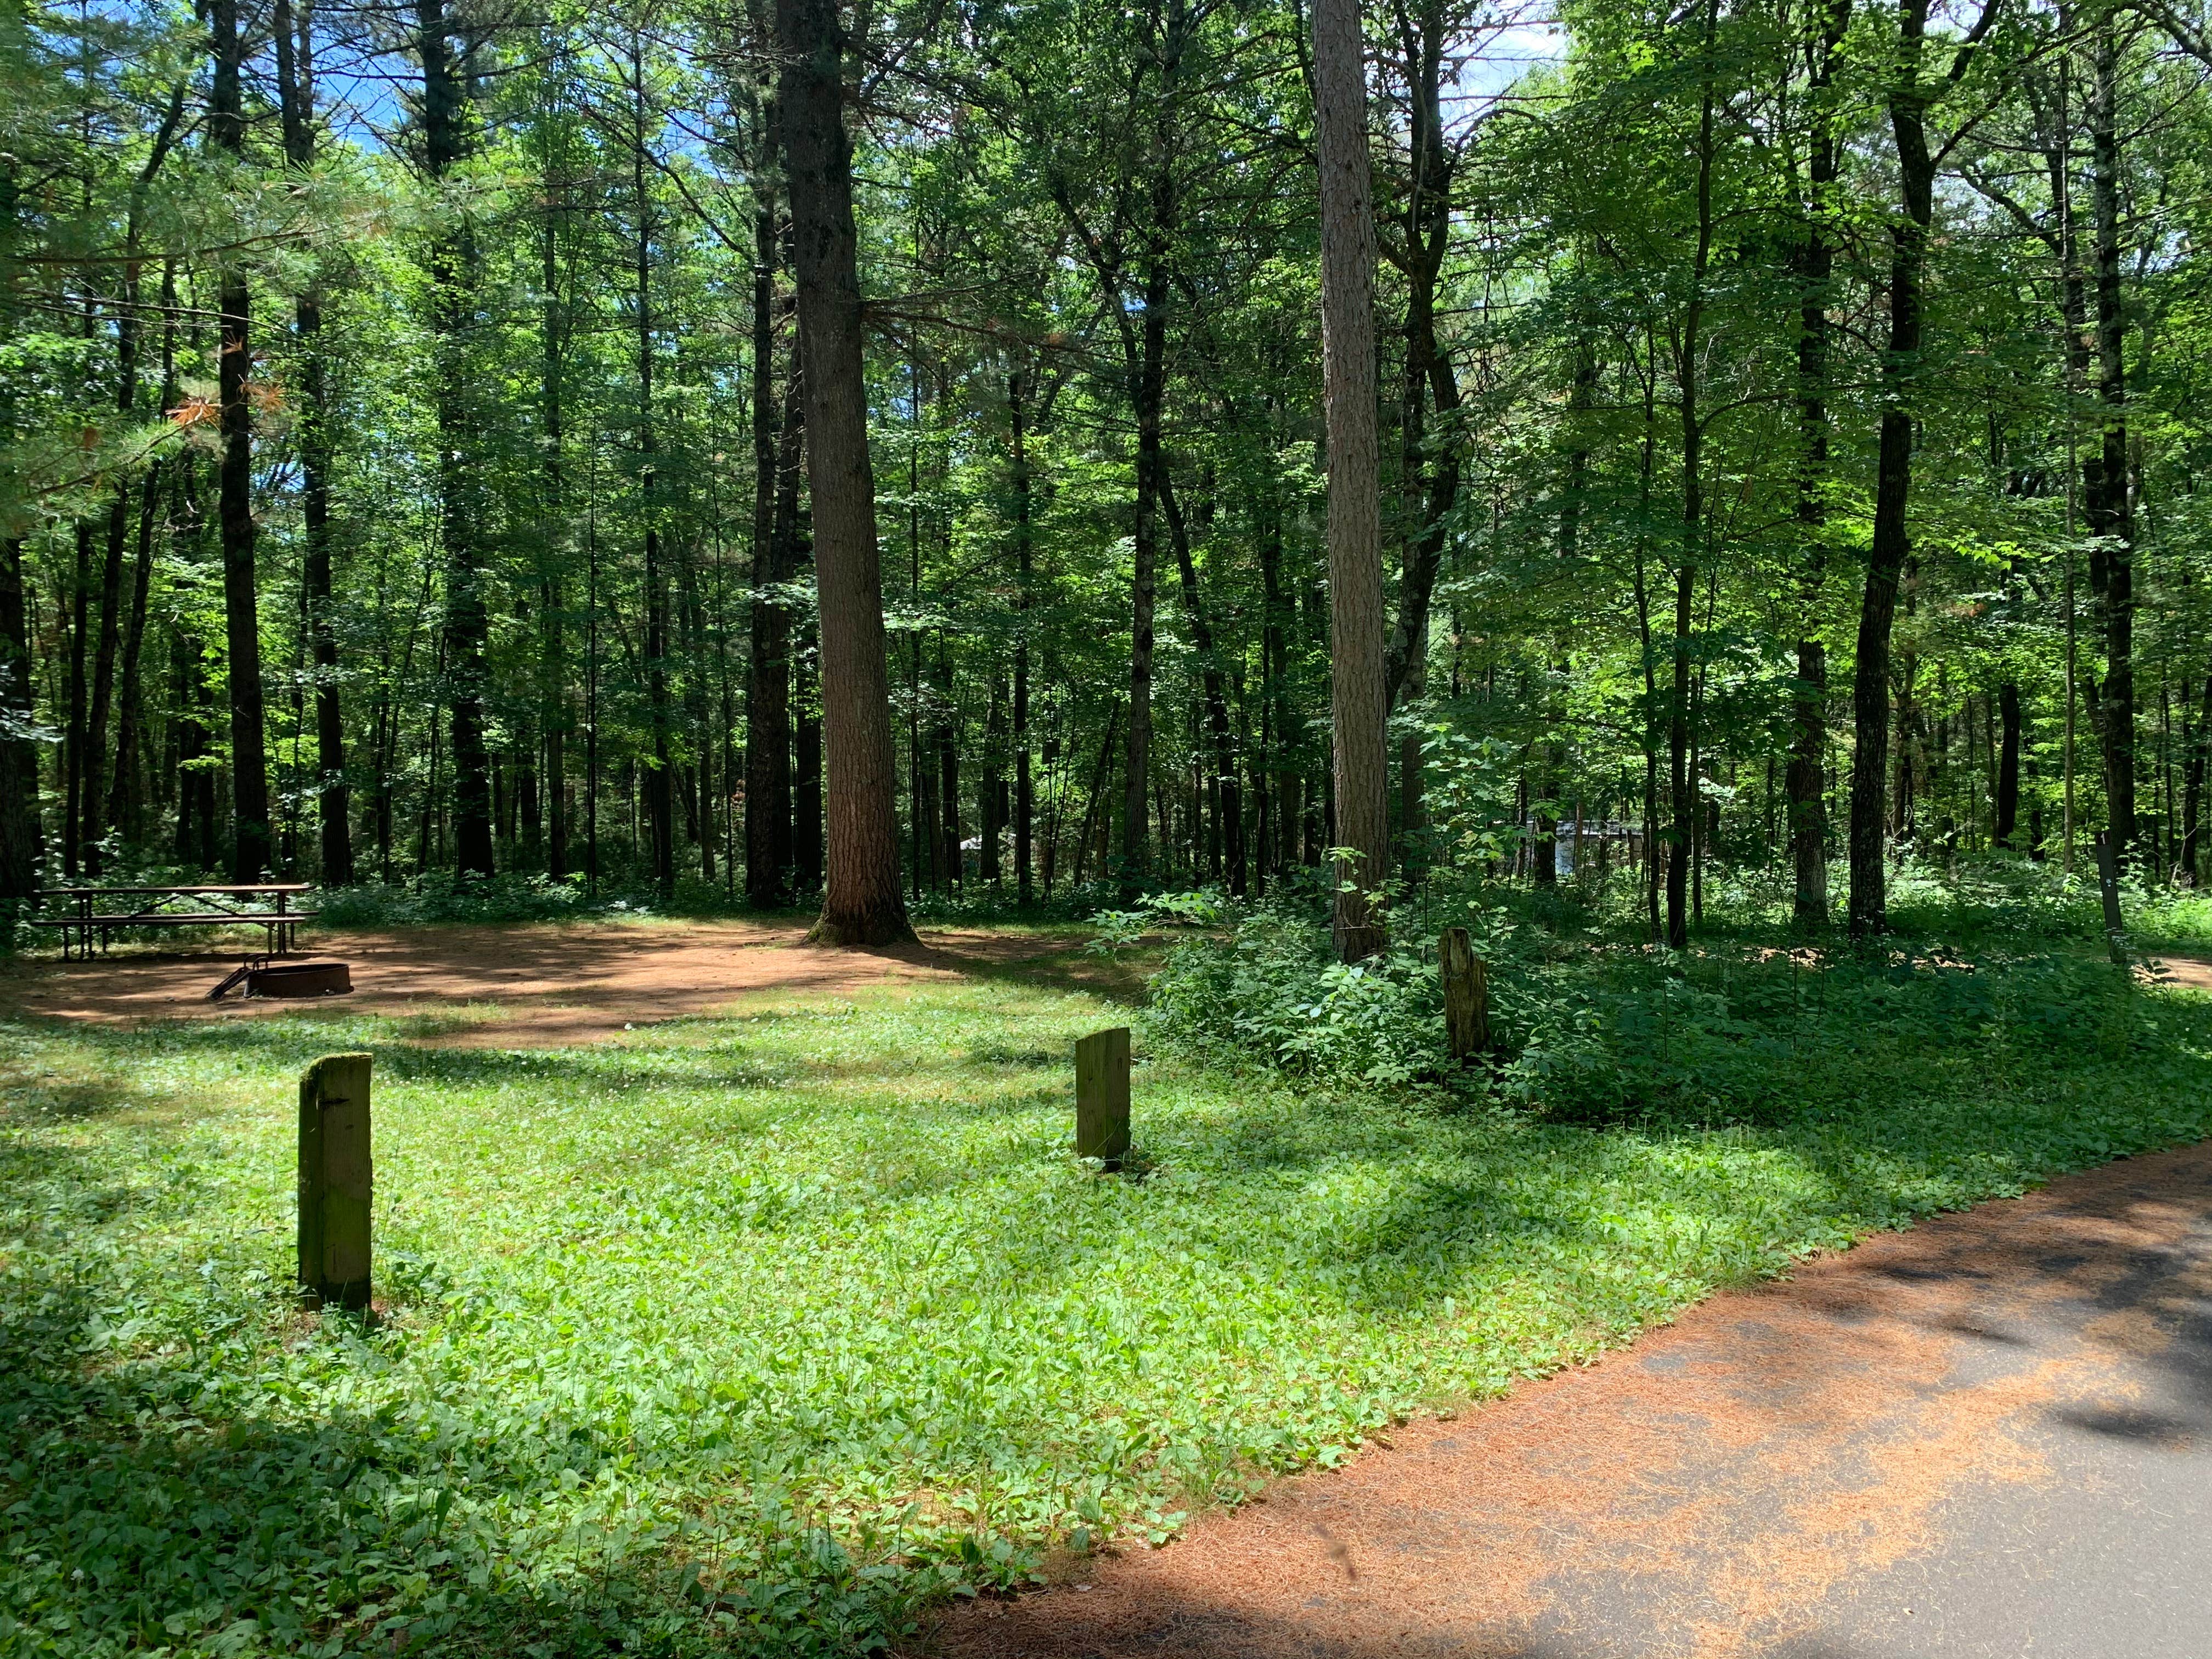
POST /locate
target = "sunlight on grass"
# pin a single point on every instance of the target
(756, 1331)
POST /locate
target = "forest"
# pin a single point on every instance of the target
(1780, 452)
(1583, 630)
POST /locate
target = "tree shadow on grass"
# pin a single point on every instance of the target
(197, 1466)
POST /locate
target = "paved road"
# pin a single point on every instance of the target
(1987, 1438)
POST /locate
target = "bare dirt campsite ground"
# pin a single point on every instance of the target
(1990, 1435)
(547, 985)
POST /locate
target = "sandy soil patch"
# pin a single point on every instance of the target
(545, 986)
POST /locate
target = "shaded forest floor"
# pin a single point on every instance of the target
(768, 1323)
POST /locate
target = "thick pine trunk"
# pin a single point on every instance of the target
(861, 904)
(1359, 697)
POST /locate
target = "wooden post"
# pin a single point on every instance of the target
(1467, 996)
(2108, 889)
(335, 1181)
(1101, 1096)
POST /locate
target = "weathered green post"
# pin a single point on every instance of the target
(1467, 996)
(335, 1181)
(1101, 1096)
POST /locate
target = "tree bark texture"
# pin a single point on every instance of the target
(861, 904)
(660, 776)
(1147, 394)
(2008, 796)
(768, 672)
(453, 281)
(295, 60)
(1025, 558)
(1430, 463)
(1227, 783)
(1806, 781)
(1870, 692)
(1359, 694)
(2105, 493)
(251, 847)
(21, 849)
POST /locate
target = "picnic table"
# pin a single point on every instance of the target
(83, 920)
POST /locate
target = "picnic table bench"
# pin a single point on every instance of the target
(83, 921)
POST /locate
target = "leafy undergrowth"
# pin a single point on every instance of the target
(758, 1333)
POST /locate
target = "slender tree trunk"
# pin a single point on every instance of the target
(1871, 690)
(295, 90)
(1024, 790)
(93, 767)
(2105, 492)
(553, 624)
(21, 848)
(782, 687)
(1359, 699)
(1686, 796)
(2008, 791)
(251, 849)
(1428, 376)
(1806, 781)
(1147, 394)
(861, 902)
(2200, 743)
(452, 272)
(768, 672)
(806, 766)
(122, 791)
(71, 620)
(1227, 784)
(660, 778)
(21, 835)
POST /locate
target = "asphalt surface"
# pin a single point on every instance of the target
(1990, 1436)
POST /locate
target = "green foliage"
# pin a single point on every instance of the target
(754, 1335)
(1752, 1026)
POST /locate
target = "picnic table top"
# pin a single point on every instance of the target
(250, 891)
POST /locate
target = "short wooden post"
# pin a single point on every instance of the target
(1101, 1096)
(2108, 889)
(335, 1181)
(1467, 996)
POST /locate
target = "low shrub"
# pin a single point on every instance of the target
(1590, 1028)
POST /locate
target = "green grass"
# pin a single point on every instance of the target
(760, 1333)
